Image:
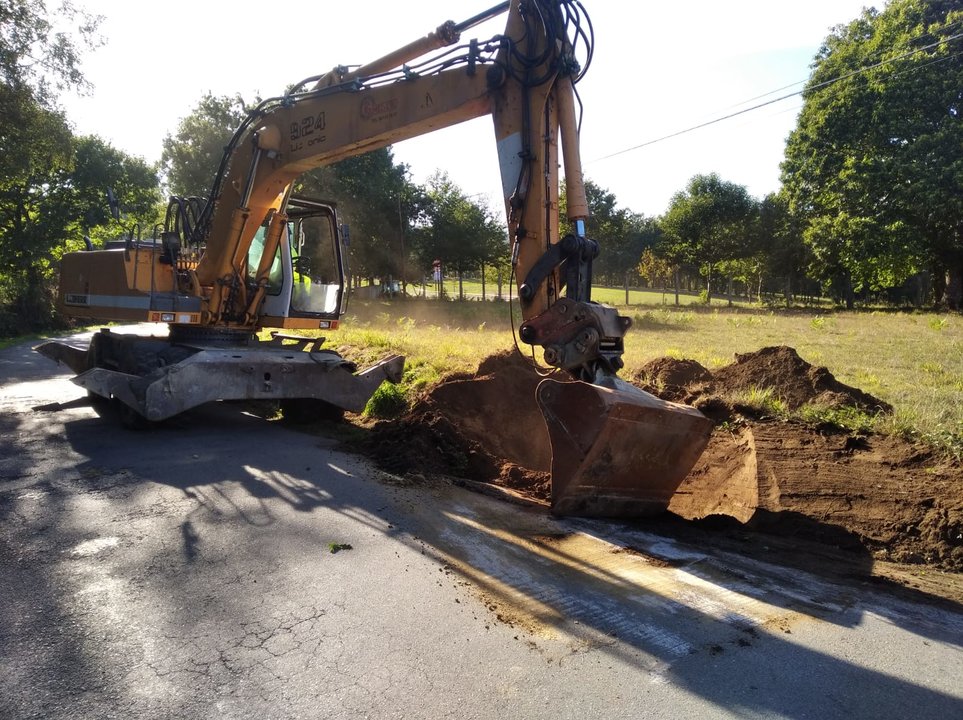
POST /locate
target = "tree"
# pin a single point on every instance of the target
(191, 156)
(133, 181)
(873, 167)
(461, 233)
(784, 254)
(34, 55)
(36, 150)
(378, 202)
(707, 223)
(51, 199)
(656, 270)
(622, 235)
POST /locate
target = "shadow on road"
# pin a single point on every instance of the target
(715, 623)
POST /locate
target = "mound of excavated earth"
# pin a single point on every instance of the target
(872, 492)
(483, 427)
(792, 380)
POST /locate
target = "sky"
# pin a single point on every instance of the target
(659, 67)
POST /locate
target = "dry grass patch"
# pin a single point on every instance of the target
(914, 361)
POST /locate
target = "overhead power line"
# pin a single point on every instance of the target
(801, 82)
(818, 86)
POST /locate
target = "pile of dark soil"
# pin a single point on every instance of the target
(484, 427)
(792, 380)
(877, 493)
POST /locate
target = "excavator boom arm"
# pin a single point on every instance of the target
(524, 79)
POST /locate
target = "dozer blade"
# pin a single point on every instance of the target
(617, 451)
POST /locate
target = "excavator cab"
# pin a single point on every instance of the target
(306, 280)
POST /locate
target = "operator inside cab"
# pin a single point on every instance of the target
(314, 283)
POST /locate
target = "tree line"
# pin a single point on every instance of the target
(871, 197)
(870, 203)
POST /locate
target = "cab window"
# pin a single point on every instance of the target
(275, 276)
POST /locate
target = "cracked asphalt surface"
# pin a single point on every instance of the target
(189, 572)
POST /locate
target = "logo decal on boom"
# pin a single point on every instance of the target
(371, 110)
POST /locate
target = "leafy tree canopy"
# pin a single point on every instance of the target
(780, 246)
(191, 156)
(456, 230)
(40, 47)
(874, 166)
(57, 196)
(52, 184)
(709, 222)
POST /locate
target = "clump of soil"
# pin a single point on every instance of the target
(675, 380)
(484, 427)
(874, 493)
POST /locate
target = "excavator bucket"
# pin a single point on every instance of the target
(617, 451)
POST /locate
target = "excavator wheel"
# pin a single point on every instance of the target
(99, 403)
(130, 418)
(301, 411)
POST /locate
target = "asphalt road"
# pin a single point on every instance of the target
(188, 572)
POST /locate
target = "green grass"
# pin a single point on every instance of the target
(6, 342)
(765, 400)
(848, 418)
(16, 340)
(914, 361)
(388, 401)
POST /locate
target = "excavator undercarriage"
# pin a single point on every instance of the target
(155, 378)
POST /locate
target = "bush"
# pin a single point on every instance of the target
(388, 402)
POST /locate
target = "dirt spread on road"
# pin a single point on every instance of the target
(882, 496)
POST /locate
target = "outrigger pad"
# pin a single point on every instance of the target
(70, 355)
(617, 451)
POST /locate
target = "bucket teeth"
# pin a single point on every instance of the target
(617, 451)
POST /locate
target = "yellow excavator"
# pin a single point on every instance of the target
(254, 255)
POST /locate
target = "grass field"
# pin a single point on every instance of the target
(912, 360)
